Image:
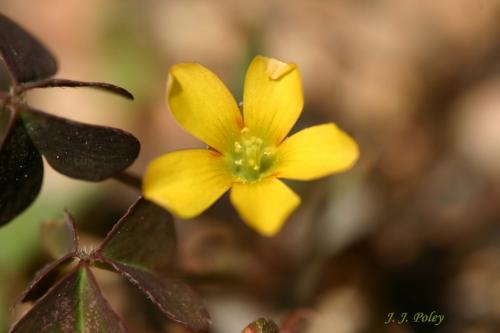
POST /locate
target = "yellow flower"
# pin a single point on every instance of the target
(249, 151)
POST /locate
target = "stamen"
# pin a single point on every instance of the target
(237, 147)
(251, 158)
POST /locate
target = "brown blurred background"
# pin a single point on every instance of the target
(412, 228)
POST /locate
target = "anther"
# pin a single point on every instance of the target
(237, 147)
(251, 158)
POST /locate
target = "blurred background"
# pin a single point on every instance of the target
(414, 227)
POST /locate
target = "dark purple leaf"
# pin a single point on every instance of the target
(21, 173)
(174, 298)
(49, 83)
(44, 279)
(140, 246)
(26, 58)
(262, 325)
(6, 119)
(59, 237)
(74, 305)
(144, 237)
(81, 151)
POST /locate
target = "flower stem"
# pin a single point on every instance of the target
(129, 179)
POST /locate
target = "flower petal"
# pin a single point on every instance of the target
(186, 182)
(202, 105)
(264, 205)
(272, 98)
(315, 152)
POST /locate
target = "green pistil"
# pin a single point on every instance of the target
(250, 159)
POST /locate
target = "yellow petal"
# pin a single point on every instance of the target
(264, 205)
(272, 98)
(202, 105)
(186, 182)
(315, 152)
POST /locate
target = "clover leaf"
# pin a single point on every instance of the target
(139, 247)
(77, 150)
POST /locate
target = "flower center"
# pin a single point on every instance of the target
(250, 159)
